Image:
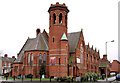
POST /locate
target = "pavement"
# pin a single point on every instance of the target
(110, 80)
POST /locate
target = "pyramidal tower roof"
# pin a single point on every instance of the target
(64, 37)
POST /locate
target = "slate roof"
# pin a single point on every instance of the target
(41, 43)
(73, 39)
(7, 59)
(38, 43)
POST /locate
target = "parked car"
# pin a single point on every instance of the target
(112, 74)
(118, 77)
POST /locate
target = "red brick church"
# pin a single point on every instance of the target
(62, 53)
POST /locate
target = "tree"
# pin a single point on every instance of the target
(42, 69)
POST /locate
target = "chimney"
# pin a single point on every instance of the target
(5, 55)
(114, 60)
(13, 57)
(37, 32)
(105, 57)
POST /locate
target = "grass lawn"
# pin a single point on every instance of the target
(29, 78)
(5, 77)
(38, 79)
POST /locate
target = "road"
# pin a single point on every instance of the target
(115, 81)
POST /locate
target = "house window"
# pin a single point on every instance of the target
(4, 64)
(32, 59)
(40, 58)
(3, 70)
(44, 59)
(16, 68)
(9, 64)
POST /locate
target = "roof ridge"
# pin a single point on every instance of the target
(23, 46)
(74, 32)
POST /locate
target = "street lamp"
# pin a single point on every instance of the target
(106, 54)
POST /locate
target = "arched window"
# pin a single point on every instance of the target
(87, 56)
(32, 59)
(66, 20)
(44, 59)
(54, 18)
(82, 57)
(91, 58)
(40, 58)
(60, 18)
(53, 39)
(81, 53)
(94, 59)
(28, 59)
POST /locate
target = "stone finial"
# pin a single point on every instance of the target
(82, 29)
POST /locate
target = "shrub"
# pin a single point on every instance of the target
(29, 76)
(19, 75)
(82, 79)
(61, 79)
(68, 78)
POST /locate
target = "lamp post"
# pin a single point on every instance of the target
(106, 54)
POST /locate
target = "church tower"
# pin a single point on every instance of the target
(58, 40)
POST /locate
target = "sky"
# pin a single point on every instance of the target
(19, 20)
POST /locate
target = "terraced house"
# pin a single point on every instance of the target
(6, 64)
(60, 52)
